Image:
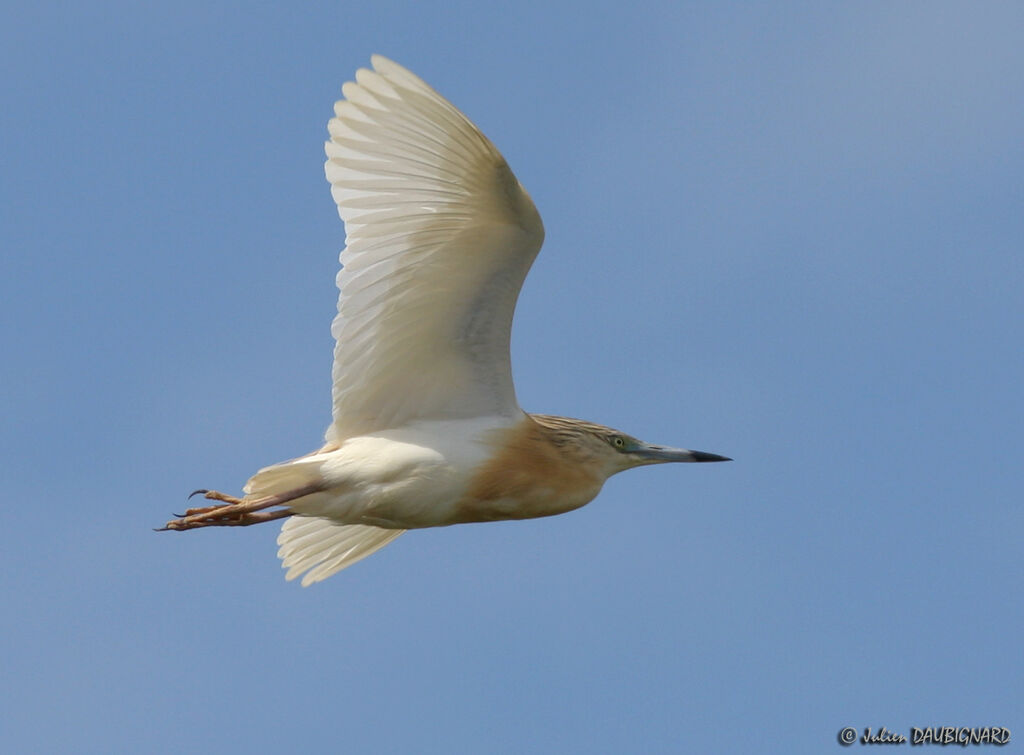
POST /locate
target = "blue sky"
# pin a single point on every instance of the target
(790, 233)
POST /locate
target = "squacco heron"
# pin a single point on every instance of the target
(426, 428)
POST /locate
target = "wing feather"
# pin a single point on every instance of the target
(439, 238)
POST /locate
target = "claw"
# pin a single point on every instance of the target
(194, 493)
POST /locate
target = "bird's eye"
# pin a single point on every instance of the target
(618, 442)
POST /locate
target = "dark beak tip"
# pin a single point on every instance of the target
(702, 456)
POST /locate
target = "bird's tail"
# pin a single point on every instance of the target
(316, 546)
(321, 547)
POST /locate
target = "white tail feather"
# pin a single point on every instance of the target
(321, 547)
(314, 545)
(280, 478)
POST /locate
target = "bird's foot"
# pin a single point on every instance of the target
(232, 512)
(212, 495)
(215, 495)
(217, 517)
(235, 512)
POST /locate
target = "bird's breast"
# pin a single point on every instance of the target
(526, 476)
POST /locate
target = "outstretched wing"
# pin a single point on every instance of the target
(440, 236)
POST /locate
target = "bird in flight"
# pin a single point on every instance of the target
(426, 429)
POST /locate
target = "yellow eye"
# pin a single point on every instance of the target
(618, 442)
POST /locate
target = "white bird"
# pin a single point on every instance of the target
(426, 428)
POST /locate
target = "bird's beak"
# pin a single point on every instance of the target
(663, 455)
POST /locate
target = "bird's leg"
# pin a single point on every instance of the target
(237, 512)
(239, 520)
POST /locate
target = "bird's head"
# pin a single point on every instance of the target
(613, 450)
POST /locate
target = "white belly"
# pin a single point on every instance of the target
(403, 479)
